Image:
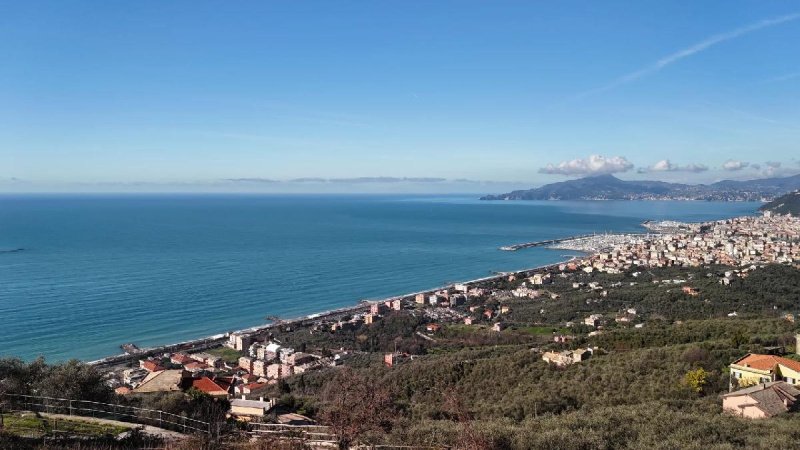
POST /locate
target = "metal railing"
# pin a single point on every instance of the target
(123, 413)
(308, 433)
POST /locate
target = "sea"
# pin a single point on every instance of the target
(82, 274)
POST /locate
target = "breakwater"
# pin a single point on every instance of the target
(515, 247)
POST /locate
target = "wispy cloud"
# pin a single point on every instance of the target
(308, 180)
(355, 180)
(251, 180)
(387, 180)
(690, 51)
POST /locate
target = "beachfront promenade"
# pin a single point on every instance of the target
(587, 243)
(218, 340)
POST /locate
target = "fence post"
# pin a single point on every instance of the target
(160, 422)
(70, 407)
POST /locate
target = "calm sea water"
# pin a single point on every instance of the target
(99, 271)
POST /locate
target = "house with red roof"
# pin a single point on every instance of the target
(123, 390)
(755, 368)
(180, 359)
(433, 327)
(195, 366)
(210, 387)
(150, 365)
(252, 387)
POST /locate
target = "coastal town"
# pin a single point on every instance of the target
(244, 367)
(577, 315)
(737, 242)
(400, 225)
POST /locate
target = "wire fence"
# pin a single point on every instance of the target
(110, 411)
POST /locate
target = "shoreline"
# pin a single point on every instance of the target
(219, 339)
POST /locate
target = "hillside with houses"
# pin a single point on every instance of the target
(683, 340)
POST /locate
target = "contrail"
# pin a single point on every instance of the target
(689, 51)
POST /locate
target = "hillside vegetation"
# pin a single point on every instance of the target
(468, 387)
(474, 388)
(785, 204)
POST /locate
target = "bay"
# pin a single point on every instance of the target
(97, 271)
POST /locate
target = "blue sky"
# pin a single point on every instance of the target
(381, 96)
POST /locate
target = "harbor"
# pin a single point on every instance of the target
(600, 242)
(586, 243)
(515, 247)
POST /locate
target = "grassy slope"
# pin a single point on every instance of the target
(33, 426)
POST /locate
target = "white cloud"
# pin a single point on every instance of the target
(666, 165)
(663, 166)
(593, 165)
(692, 50)
(694, 168)
(732, 165)
(774, 169)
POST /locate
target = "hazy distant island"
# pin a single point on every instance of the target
(785, 204)
(609, 187)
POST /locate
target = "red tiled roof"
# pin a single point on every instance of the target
(224, 382)
(195, 365)
(767, 362)
(152, 366)
(208, 386)
(181, 358)
(790, 363)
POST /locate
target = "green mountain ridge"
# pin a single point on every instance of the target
(609, 187)
(786, 204)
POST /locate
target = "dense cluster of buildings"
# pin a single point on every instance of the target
(741, 241)
(262, 363)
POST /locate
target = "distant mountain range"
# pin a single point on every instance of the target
(609, 187)
(785, 204)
